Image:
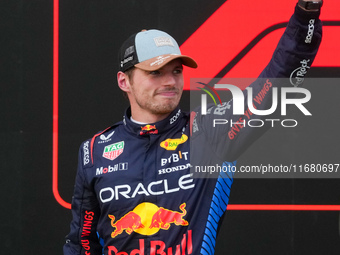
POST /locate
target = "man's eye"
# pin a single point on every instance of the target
(154, 72)
(178, 71)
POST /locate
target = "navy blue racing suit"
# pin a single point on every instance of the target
(135, 188)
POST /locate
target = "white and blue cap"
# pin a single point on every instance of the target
(150, 50)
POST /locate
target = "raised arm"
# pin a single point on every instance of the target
(289, 64)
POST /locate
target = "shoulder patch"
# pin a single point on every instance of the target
(104, 136)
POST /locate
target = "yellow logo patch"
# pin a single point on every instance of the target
(171, 144)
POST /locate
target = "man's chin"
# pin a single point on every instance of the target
(164, 109)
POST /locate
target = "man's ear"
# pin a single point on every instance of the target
(123, 81)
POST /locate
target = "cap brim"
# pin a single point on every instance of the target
(160, 61)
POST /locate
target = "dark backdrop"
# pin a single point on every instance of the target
(32, 222)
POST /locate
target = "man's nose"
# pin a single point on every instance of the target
(168, 80)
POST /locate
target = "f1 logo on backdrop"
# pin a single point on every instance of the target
(238, 42)
(235, 41)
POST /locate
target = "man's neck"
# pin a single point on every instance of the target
(148, 118)
(137, 122)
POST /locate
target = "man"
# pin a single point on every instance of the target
(134, 188)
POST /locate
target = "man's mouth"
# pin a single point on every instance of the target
(167, 93)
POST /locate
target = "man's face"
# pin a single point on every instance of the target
(156, 92)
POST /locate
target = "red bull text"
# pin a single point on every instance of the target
(159, 247)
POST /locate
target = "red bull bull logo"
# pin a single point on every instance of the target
(129, 222)
(148, 219)
(148, 129)
(164, 217)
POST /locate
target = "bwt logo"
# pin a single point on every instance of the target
(238, 101)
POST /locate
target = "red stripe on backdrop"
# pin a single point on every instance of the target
(55, 189)
(212, 57)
